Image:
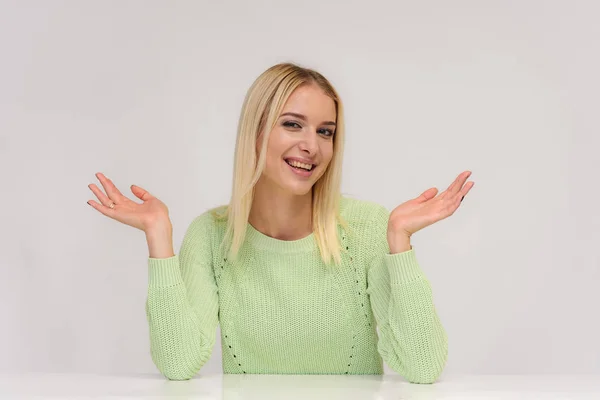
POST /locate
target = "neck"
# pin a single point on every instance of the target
(280, 214)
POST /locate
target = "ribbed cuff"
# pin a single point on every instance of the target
(163, 272)
(403, 267)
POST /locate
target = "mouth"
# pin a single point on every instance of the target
(301, 169)
(299, 165)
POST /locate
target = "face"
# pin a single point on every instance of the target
(300, 145)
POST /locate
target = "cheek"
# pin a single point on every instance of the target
(275, 149)
(327, 152)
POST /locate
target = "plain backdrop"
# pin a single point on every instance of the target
(149, 93)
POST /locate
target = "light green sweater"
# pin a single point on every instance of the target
(283, 311)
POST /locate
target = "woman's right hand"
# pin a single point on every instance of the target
(145, 216)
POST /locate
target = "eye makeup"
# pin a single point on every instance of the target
(295, 125)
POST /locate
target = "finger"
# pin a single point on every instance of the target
(140, 193)
(100, 195)
(458, 183)
(466, 189)
(452, 206)
(109, 212)
(427, 195)
(111, 190)
(461, 195)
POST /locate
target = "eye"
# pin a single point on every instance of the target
(291, 124)
(328, 132)
(295, 125)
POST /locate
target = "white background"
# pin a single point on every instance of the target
(149, 92)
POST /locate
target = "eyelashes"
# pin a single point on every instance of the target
(290, 124)
(295, 125)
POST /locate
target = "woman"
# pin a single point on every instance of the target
(297, 276)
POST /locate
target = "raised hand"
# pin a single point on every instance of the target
(115, 205)
(420, 212)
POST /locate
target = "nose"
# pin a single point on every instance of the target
(309, 144)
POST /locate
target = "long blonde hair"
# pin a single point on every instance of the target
(262, 105)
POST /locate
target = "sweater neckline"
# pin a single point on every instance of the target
(259, 240)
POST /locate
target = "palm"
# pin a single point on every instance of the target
(142, 216)
(418, 213)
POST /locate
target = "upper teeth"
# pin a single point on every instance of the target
(298, 164)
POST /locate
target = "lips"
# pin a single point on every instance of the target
(300, 165)
(299, 171)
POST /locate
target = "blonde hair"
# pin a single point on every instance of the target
(262, 106)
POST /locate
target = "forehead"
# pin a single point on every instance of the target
(311, 101)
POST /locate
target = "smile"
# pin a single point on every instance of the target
(300, 169)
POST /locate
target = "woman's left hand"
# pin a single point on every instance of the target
(418, 213)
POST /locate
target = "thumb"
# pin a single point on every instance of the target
(427, 195)
(140, 193)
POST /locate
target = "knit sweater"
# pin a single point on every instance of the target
(281, 310)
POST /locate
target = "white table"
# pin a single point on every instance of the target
(305, 387)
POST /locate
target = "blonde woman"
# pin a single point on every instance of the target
(297, 276)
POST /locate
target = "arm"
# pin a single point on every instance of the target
(412, 340)
(182, 305)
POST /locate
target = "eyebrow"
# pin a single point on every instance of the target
(304, 118)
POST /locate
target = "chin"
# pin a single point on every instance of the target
(299, 190)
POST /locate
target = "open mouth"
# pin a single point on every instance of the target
(300, 166)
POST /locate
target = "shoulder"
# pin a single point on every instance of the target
(210, 222)
(367, 223)
(204, 233)
(363, 213)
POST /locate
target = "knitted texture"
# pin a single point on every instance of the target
(281, 310)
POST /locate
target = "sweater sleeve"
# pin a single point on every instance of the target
(412, 340)
(182, 305)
